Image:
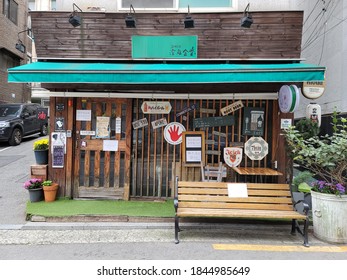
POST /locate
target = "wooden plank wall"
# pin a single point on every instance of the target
(104, 35)
(155, 162)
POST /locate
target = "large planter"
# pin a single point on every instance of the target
(41, 156)
(329, 213)
(35, 195)
(50, 192)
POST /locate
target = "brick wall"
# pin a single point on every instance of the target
(8, 39)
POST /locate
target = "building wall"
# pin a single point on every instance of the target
(325, 43)
(8, 39)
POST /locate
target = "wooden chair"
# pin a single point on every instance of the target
(212, 173)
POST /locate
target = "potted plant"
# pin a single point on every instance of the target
(50, 190)
(326, 157)
(40, 148)
(34, 187)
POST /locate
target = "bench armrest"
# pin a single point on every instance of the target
(304, 204)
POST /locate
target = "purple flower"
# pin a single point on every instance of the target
(329, 187)
(33, 183)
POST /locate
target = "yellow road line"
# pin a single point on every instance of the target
(280, 248)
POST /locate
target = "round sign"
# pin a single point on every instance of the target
(296, 97)
(256, 148)
(173, 133)
(313, 90)
(285, 99)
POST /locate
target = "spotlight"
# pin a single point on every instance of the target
(75, 19)
(188, 21)
(246, 20)
(130, 20)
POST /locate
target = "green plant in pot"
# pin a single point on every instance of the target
(50, 190)
(326, 157)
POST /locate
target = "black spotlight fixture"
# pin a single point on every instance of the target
(246, 20)
(188, 21)
(75, 19)
(19, 45)
(130, 20)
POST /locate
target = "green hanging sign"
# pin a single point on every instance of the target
(183, 47)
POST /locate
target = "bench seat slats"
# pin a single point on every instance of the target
(254, 199)
(239, 213)
(219, 185)
(218, 205)
(225, 192)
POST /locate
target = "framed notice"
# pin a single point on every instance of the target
(58, 156)
(102, 127)
(193, 147)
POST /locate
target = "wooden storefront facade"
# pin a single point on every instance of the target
(144, 164)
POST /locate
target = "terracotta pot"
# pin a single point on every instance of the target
(50, 192)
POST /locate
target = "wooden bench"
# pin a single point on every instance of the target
(264, 201)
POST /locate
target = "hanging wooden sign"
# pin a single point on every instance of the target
(159, 123)
(140, 123)
(187, 109)
(156, 107)
(231, 108)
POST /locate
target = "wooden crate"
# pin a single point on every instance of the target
(39, 171)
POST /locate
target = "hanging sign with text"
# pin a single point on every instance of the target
(156, 107)
(213, 121)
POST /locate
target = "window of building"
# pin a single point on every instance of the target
(7, 61)
(11, 10)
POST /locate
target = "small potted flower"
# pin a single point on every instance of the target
(50, 190)
(34, 187)
(40, 148)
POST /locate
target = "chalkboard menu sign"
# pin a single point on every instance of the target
(58, 156)
(193, 147)
(213, 121)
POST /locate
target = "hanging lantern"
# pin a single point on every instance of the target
(314, 112)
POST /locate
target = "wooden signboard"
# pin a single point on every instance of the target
(193, 147)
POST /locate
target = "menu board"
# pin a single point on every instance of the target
(58, 156)
(193, 147)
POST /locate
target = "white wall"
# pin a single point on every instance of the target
(325, 44)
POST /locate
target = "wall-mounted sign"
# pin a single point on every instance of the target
(314, 113)
(159, 123)
(286, 123)
(185, 47)
(110, 145)
(207, 111)
(313, 90)
(83, 115)
(59, 124)
(59, 107)
(156, 107)
(140, 123)
(58, 156)
(118, 127)
(87, 133)
(288, 98)
(58, 139)
(173, 133)
(232, 156)
(213, 121)
(253, 121)
(187, 109)
(219, 134)
(256, 148)
(231, 108)
(102, 127)
(213, 152)
(193, 147)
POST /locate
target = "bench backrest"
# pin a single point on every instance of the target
(215, 195)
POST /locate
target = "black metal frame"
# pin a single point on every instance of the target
(177, 228)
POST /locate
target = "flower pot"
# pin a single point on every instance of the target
(329, 213)
(35, 195)
(41, 156)
(50, 192)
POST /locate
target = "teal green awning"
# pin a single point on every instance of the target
(163, 73)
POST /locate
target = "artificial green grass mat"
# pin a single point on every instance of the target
(64, 207)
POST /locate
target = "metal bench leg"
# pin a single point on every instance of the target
(307, 222)
(293, 232)
(177, 229)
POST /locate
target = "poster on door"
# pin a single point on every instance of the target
(102, 127)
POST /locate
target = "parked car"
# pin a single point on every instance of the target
(22, 119)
